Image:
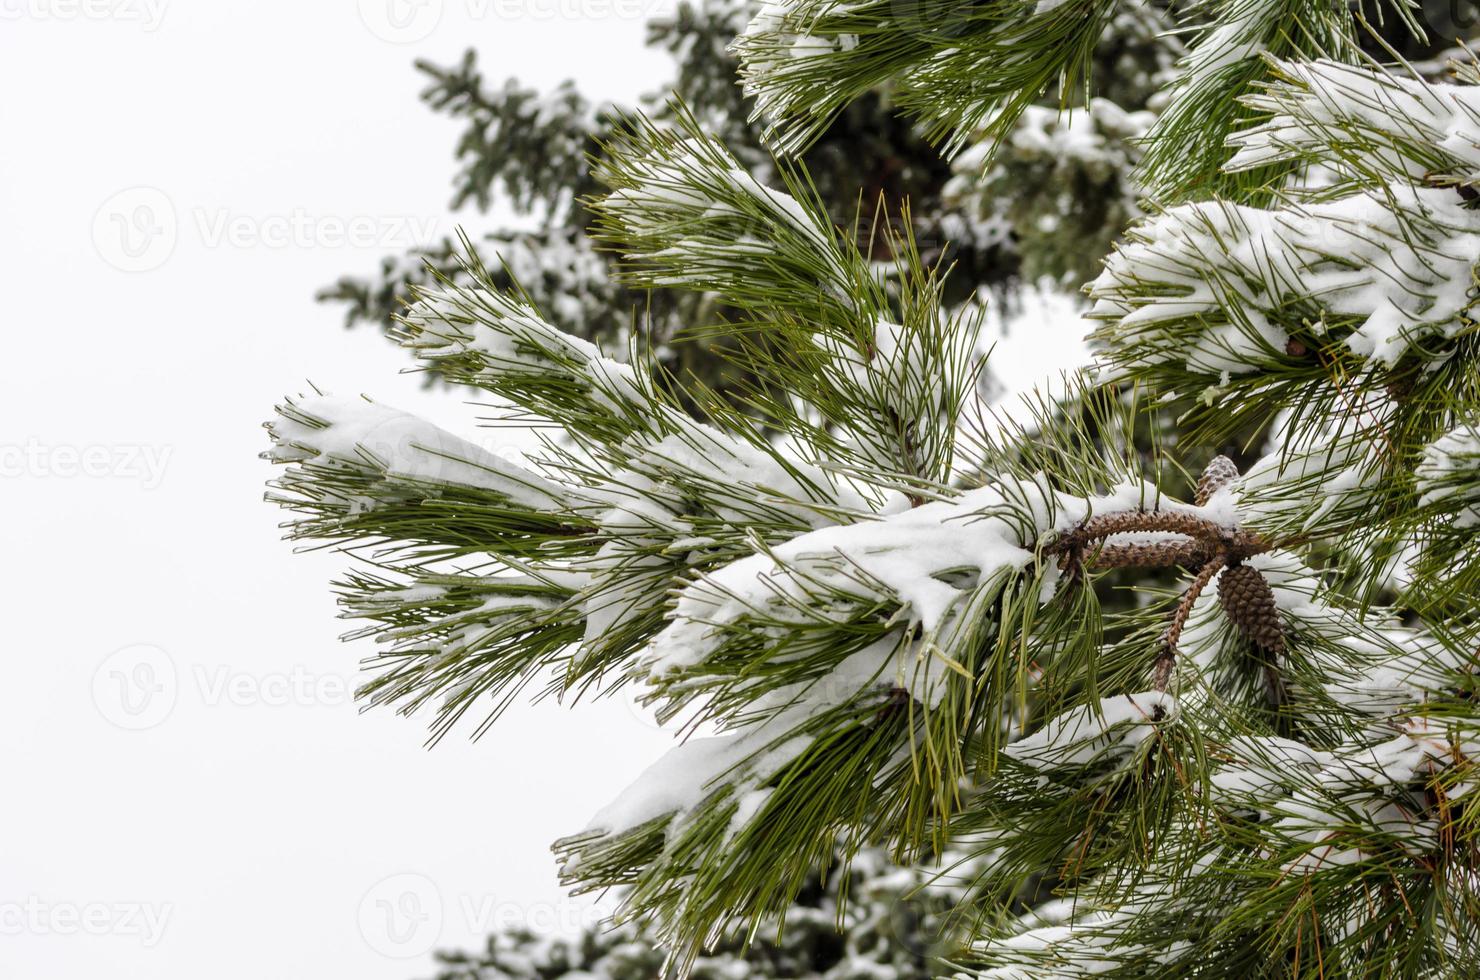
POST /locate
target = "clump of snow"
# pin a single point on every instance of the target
(504, 334)
(1404, 126)
(908, 556)
(1292, 788)
(1311, 472)
(1233, 41)
(745, 482)
(1107, 729)
(1449, 473)
(1366, 256)
(686, 774)
(363, 436)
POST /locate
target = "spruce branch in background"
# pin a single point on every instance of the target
(1049, 202)
(1052, 208)
(880, 616)
(874, 921)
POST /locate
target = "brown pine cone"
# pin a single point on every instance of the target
(1219, 473)
(1249, 605)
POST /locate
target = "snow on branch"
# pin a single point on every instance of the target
(1369, 123)
(360, 468)
(1222, 289)
(369, 438)
(496, 340)
(871, 351)
(1186, 147)
(1447, 479)
(1327, 809)
(1449, 475)
(961, 68)
(453, 641)
(1092, 732)
(877, 633)
(1333, 811)
(923, 562)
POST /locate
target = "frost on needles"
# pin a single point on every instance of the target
(876, 614)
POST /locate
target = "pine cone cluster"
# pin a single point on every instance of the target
(1219, 473)
(1248, 602)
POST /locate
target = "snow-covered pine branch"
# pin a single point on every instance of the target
(840, 640)
(1257, 766)
(1365, 125)
(1227, 59)
(1445, 520)
(1308, 797)
(361, 471)
(1449, 475)
(960, 68)
(1193, 837)
(874, 357)
(1217, 289)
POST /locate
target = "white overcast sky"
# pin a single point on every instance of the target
(176, 179)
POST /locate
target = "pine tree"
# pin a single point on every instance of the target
(1049, 208)
(883, 616)
(876, 921)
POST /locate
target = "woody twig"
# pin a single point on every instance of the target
(1196, 542)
